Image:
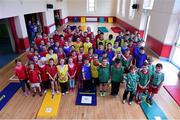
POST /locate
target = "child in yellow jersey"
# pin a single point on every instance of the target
(110, 40)
(52, 55)
(101, 39)
(63, 76)
(77, 44)
(116, 47)
(87, 45)
(94, 70)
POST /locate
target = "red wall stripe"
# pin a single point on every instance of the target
(161, 49)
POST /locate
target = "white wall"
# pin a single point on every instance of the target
(103, 8)
(138, 19)
(160, 18)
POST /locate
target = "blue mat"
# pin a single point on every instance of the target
(103, 29)
(6, 58)
(7, 93)
(86, 98)
(153, 111)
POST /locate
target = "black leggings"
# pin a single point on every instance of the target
(45, 85)
(24, 84)
(126, 92)
(87, 84)
(64, 87)
(115, 88)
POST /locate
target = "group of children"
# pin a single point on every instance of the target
(78, 57)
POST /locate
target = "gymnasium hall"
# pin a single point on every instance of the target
(90, 59)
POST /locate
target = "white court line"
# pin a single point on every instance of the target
(13, 78)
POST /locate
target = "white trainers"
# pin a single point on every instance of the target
(45, 91)
(124, 101)
(63, 94)
(67, 92)
(130, 103)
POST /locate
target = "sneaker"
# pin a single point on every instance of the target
(52, 96)
(40, 93)
(101, 94)
(45, 91)
(63, 94)
(150, 102)
(25, 94)
(57, 92)
(104, 94)
(33, 94)
(124, 101)
(130, 103)
(67, 92)
(28, 92)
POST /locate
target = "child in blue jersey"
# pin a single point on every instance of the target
(67, 48)
(124, 47)
(140, 58)
(131, 84)
(137, 48)
(100, 50)
(155, 83)
(110, 53)
(86, 75)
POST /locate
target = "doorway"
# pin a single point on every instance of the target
(7, 44)
(34, 24)
(57, 17)
(176, 51)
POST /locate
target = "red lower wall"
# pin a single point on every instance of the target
(161, 49)
(24, 43)
(47, 28)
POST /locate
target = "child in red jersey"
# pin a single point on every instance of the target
(79, 70)
(74, 56)
(51, 71)
(20, 71)
(31, 54)
(44, 77)
(72, 69)
(34, 78)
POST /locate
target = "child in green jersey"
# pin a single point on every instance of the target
(131, 84)
(151, 67)
(116, 76)
(156, 82)
(104, 75)
(144, 79)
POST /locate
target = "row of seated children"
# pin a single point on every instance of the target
(101, 58)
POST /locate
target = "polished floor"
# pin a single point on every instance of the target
(21, 107)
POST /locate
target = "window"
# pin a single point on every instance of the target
(148, 4)
(118, 7)
(131, 10)
(91, 6)
(123, 8)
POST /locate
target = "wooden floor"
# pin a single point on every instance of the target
(21, 107)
